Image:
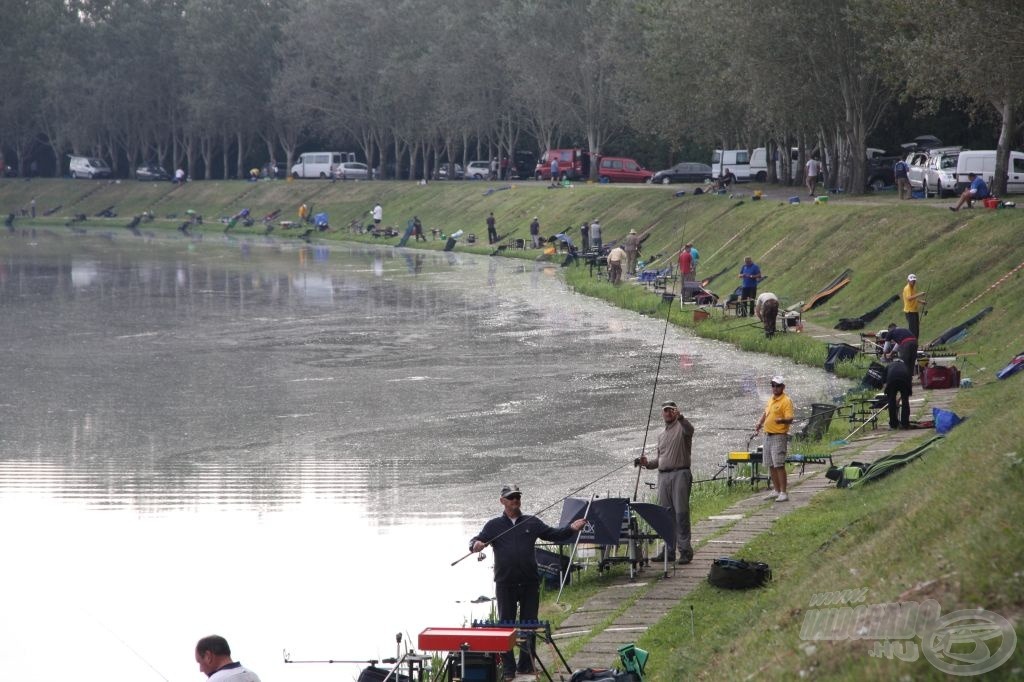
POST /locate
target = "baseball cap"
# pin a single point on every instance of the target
(911, 278)
(670, 403)
(510, 491)
(778, 380)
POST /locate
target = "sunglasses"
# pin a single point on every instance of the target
(513, 497)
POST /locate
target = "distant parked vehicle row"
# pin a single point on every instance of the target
(574, 164)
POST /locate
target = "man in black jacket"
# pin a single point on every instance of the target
(517, 585)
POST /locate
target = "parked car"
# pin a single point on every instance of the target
(478, 170)
(686, 171)
(940, 174)
(151, 172)
(352, 170)
(88, 167)
(573, 164)
(443, 172)
(621, 169)
(881, 172)
(917, 164)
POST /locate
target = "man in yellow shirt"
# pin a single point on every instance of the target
(912, 303)
(776, 419)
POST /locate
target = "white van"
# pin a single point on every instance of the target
(745, 165)
(88, 167)
(983, 162)
(320, 164)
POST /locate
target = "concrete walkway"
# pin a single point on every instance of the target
(625, 609)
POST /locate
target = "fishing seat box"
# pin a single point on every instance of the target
(935, 376)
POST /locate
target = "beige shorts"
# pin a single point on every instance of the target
(776, 447)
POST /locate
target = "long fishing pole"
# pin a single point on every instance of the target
(538, 513)
(657, 374)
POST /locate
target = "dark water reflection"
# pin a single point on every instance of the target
(290, 444)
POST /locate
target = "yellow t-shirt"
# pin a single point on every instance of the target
(779, 407)
(910, 305)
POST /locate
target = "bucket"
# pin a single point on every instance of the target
(700, 316)
(823, 199)
(990, 202)
(917, 194)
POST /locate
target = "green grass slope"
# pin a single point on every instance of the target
(946, 527)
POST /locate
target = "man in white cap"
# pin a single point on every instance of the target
(776, 419)
(632, 249)
(912, 303)
(672, 460)
(516, 583)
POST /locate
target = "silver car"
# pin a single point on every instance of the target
(351, 170)
(478, 170)
(940, 175)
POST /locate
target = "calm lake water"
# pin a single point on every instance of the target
(289, 445)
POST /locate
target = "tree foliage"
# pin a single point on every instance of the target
(218, 85)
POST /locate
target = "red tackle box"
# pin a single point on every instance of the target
(940, 377)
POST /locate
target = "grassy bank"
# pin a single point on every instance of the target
(945, 527)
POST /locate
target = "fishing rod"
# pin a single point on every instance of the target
(573, 552)
(654, 389)
(654, 392)
(538, 513)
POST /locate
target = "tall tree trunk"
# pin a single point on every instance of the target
(1007, 128)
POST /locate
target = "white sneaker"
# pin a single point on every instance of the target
(782, 497)
(772, 496)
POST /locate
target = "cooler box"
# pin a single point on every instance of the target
(940, 377)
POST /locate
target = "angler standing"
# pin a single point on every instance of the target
(776, 419)
(672, 460)
(516, 583)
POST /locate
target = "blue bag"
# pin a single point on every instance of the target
(945, 420)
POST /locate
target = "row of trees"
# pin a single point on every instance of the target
(219, 85)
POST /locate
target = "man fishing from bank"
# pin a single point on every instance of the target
(672, 460)
(516, 582)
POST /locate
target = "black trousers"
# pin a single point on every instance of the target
(749, 293)
(518, 601)
(914, 323)
(898, 395)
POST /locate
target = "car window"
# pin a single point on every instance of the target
(948, 162)
(632, 165)
(566, 156)
(742, 157)
(1018, 165)
(335, 158)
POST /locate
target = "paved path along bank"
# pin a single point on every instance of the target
(625, 609)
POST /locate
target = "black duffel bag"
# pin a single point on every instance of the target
(737, 574)
(602, 675)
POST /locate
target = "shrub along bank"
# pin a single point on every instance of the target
(945, 527)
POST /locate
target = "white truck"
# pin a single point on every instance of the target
(320, 164)
(983, 162)
(746, 165)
